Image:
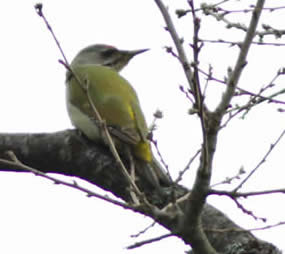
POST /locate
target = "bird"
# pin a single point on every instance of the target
(98, 66)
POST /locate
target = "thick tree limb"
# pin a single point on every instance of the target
(68, 153)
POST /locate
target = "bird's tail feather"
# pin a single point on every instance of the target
(154, 175)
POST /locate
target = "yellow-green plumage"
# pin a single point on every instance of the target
(116, 102)
(97, 67)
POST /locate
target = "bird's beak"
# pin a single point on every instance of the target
(132, 53)
(139, 51)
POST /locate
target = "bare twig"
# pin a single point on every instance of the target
(182, 172)
(241, 61)
(158, 114)
(187, 94)
(196, 80)
(144, 230)
(246, 211)
(243, 91)
(102, 124)
(14, 162)
(225, 230)
(209, 9)
(229, 180)
(238, 43)
(233, 194)
(180, 13)
(113, 149)
(152, 240)
(39, 10)
(270, 9)
(269, 30)
(268, 226)
(272, 146)
(257, 98)
(197, 198)
(181, 53)
(163, 162)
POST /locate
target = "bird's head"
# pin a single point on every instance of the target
(105, 55)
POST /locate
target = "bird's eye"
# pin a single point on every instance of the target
(108, 52)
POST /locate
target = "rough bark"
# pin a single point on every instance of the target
(68, 153)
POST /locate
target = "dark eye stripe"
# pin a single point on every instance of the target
(108, 52)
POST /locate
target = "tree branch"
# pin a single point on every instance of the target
(195, 201)
(241, 61)
(70, 154)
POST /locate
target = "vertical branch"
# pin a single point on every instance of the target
(192, 78)
(39, 10)
(210, 124)
(190, 226)
(196, 80)
(177, 42)
(241, 61)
